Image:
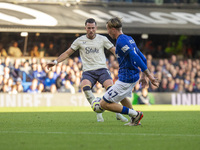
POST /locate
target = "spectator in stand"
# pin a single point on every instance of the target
(57, 72)
(174, 60)
(76, 60)
(53, 88)
(51, 51)
(26, 67)
(40, 74)
(42, 50)
(5, 88)
(15, 72)
(77, 85)
(63, 68)
(14, 50)
(34, 51)
(34, 60)
(60, 81)
(13, 90)
(33, 71)
(2, 51)
(7, 62)
(67, 88)
(70, 62)
(171, 86)
(1, 82)
(10, 84)
(6, 72)
(197, 90)
(190, 89)
(41, 87)
(180, 74)
(19, 85)
(49, 81)
(163, 87)
(180, 88)
(98, 88)
(33, 88)
(143, 97)
(20, 88)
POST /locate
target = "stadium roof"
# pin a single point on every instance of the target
(54, 18)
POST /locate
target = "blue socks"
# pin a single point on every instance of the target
(125, 110)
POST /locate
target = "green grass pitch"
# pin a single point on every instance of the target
(62, 128)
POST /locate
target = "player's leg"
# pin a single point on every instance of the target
(86, 87)
(106, 80)
(126, 102)
(116, 94)
(107, 84)
(87, 82)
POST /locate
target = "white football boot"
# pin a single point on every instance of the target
(121, 117)
(99, 117)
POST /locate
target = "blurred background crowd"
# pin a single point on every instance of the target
(174, 59)
(21, 74)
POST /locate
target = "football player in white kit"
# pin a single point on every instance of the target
(91, 48)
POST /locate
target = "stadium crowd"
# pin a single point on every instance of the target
(21, 75)
(176, 65)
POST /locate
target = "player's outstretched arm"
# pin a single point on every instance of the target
(61, 58)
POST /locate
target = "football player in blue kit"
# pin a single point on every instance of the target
(129, 58)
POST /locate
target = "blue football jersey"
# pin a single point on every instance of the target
(129, 58)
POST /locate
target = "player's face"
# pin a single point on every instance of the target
(91, 30)
(110, 32)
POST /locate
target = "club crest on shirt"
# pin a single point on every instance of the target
(84, 42)
(125, 48)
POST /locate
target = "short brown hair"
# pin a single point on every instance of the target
(114, 23)
(90, 20)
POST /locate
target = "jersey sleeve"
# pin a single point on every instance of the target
(124, 46)
(141, 55)
(75, 45)
(137, 60)
(107, 44)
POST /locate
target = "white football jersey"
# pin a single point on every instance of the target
(92, 51)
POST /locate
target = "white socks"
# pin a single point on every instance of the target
(89, 95)
(132, 113)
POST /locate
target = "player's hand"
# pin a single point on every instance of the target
(49, 65)
(144, 82)
(155, 82)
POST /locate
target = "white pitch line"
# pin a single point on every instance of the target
(97, 133)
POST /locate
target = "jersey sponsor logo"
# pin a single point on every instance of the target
(125, 48)
(89, 50)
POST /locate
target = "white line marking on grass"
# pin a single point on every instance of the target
(97, 133)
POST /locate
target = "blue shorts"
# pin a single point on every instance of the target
(99, 75)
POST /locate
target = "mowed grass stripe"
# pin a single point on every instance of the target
(97, 133)
(87, 108)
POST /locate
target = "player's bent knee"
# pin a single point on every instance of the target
(102, 103)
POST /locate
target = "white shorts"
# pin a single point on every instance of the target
(119, 91)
